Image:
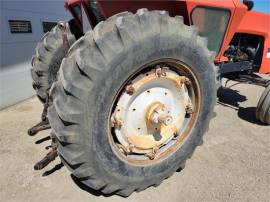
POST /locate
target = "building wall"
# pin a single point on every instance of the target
(16, 49)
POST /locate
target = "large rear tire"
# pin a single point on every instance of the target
(91, 77)
(49, 55)
(263, 107)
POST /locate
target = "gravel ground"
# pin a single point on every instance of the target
(232, 165)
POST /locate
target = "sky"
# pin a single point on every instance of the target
(262, 5)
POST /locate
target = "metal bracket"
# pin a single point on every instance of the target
(44, 124)
(160, 71)
(151, 155)
(46, 160)
(63, 29)
(250, 79)
(49, 156)
(233, 67)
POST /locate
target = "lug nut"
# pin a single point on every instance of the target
(187, 81)
(130, 148)
(184, 80)
(160, 71)
(176, 134)
(189, 108)
(122, 149)
(116, 122)
(151, 155)
(130, 89)
(168, 120)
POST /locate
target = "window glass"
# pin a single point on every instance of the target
(212, 23)
(47, 26)
(20, 26)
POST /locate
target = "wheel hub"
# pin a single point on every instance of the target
(157, 113)
(151, 111)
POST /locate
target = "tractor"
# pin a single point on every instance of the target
(129, 87)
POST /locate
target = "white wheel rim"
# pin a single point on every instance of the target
(130, 125)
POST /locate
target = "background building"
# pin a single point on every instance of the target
(22, 25)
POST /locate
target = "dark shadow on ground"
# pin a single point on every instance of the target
(43, 140)
(227, 96)
(232, 98)
(94, 192)
(249, 114)
(54, 169)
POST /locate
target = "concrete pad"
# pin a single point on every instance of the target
(232, 165)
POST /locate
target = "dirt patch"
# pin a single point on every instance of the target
(233, 164)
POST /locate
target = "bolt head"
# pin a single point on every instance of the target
(176, 134)
(187, 81)
(189, 108)
(130, 89)
(168, 120)
(131, 147)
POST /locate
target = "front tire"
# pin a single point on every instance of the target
(91, 76)
(263, 107)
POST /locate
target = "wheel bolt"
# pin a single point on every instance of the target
(176, 134)
(184, 80)
(151, 155)
(160, 71)
(187, 81)
(168, 120)
(189, 108)
(116, 122)
(130, 89)
(122, 149)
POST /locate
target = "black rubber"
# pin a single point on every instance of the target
(263, 107)
(49, 55)
(92, 73)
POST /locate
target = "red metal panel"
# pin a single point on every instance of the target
(109, 8)
(259, 24)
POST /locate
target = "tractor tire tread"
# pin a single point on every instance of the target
(87, 59)
(263, 107)
(47, 59)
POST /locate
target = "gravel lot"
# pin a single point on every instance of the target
(232, 165)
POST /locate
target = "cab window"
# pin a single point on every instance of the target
(212, 23)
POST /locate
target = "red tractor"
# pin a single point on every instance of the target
(130, 86)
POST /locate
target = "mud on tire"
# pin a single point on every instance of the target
(48, 57)
(90, 76)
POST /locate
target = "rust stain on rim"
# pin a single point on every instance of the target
(193, 88)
